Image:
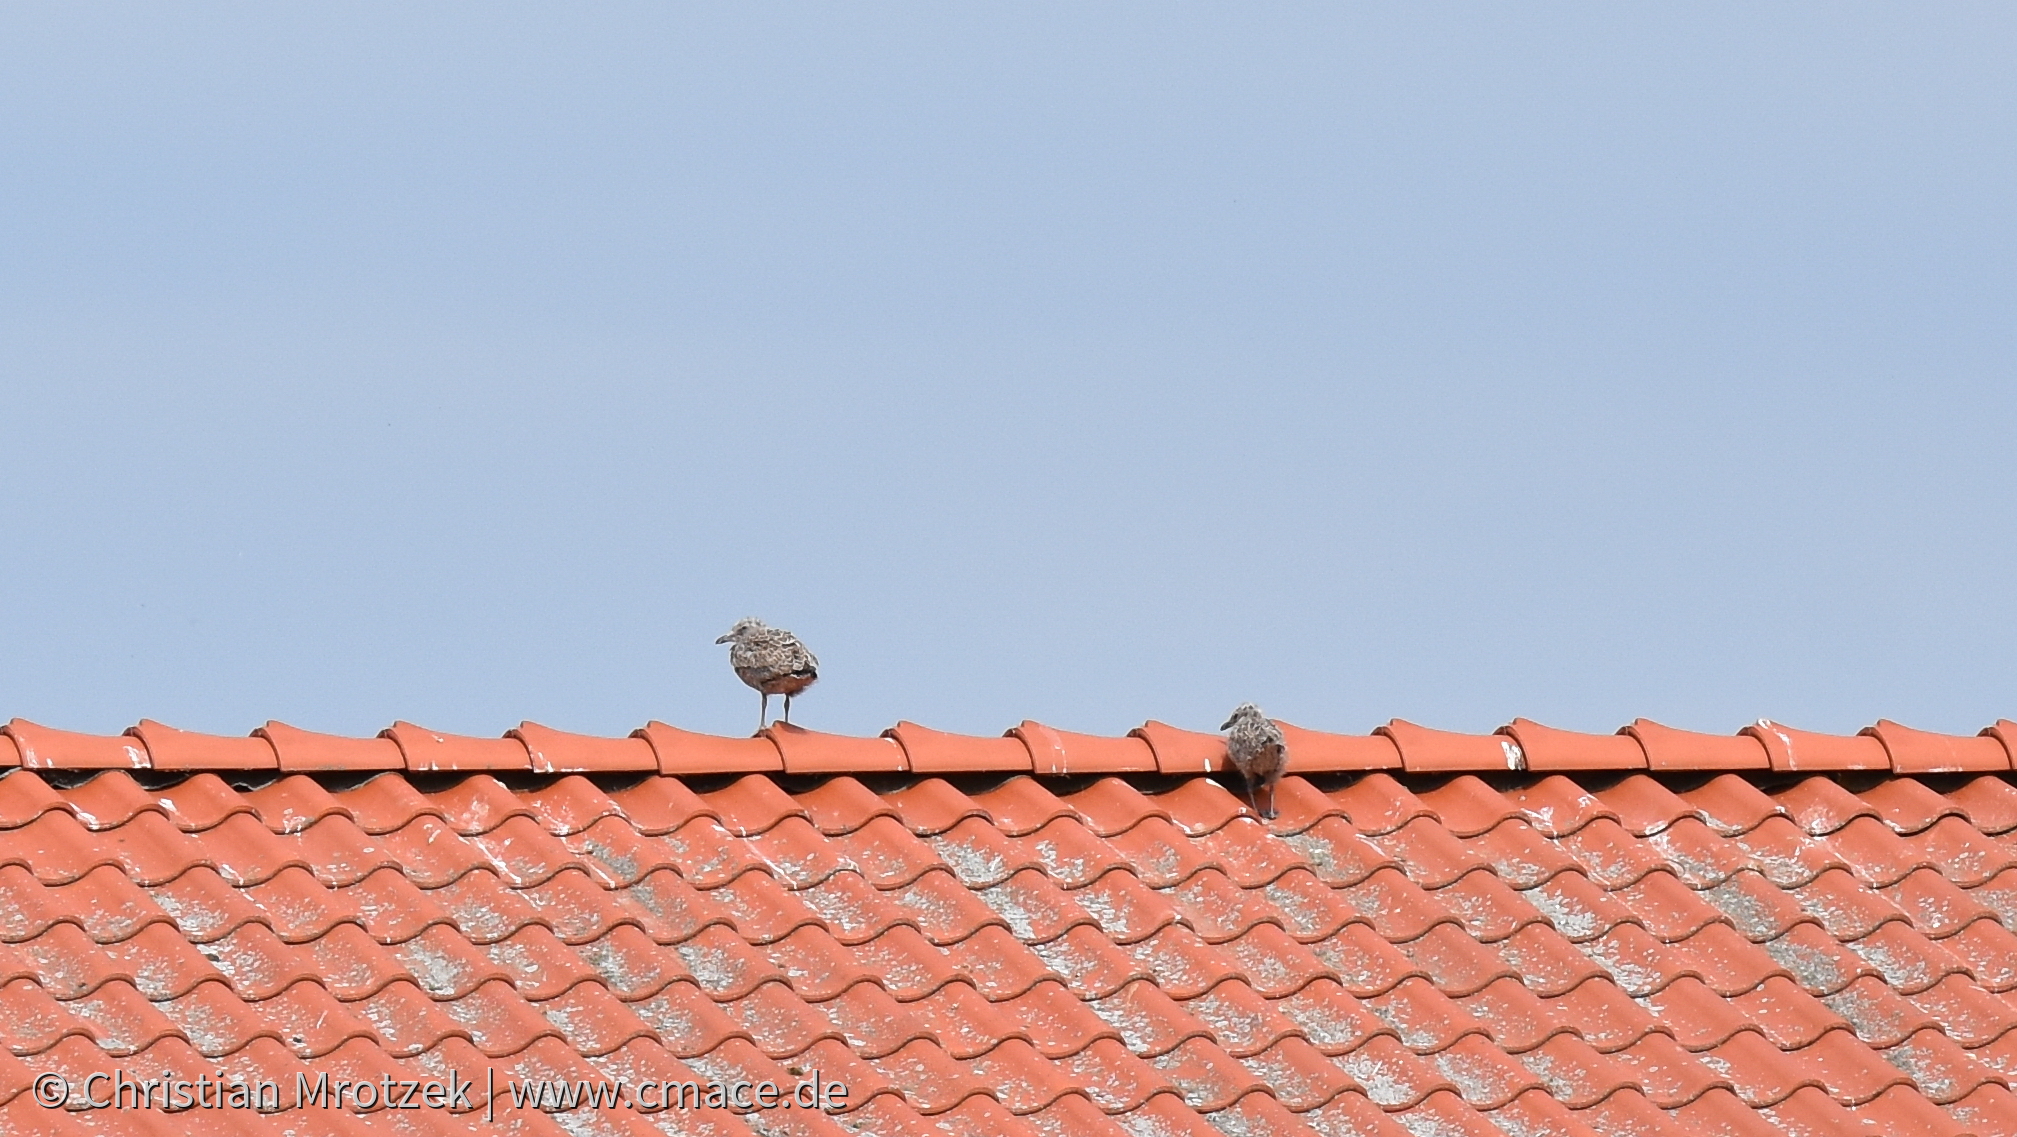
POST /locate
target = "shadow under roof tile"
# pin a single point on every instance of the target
(172, 749)
(1924, 752)
(685, 753)
(45, 748)
(1550, 748)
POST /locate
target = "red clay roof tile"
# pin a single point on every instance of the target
(684, 752)
(44, 748)
(1923, 752)
(558, 752)
(1318, 752)
(304, 750)
(1670, 749)
(172, 749)
(1790, 749)
(1424, 750)
(427, 750)
(1058, 753)
(1546, 748)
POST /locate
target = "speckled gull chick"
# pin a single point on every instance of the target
(1259, 752)
(770, 660)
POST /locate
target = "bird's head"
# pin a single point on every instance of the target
(741, 629)
(1243, 711)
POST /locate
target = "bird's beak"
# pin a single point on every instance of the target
(724, 639)
(1226, 725)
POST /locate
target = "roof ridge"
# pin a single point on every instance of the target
(1521, 746)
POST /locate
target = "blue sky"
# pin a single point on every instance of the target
(466, 364)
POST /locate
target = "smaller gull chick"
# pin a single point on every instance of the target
(1259, 751)
(770, 660)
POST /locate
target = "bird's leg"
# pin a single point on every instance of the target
(763, 712)
(1250, 791)
(787, 710)
(1269, 813)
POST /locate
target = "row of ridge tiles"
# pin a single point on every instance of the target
(1030, 748)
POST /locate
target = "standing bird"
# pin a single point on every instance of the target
(770, 660)
(1260, 752)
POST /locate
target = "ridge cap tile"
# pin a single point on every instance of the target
(684, 752)
(1551, 748)
(1671, 748)
(1180, 751)
(561, 752)
(1925, 752)
(1327, 752)
(815, 752)
(431, 750)
(301, 751)
(928, 751)
(1791, 749)
(46, 748)
(1062, 753)
(169, 748)
(1427, 750)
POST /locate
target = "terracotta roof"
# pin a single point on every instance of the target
(1424, 942)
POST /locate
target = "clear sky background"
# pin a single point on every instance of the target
(1086, 363)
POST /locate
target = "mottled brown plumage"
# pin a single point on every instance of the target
(1259, 753)
(770, 660)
